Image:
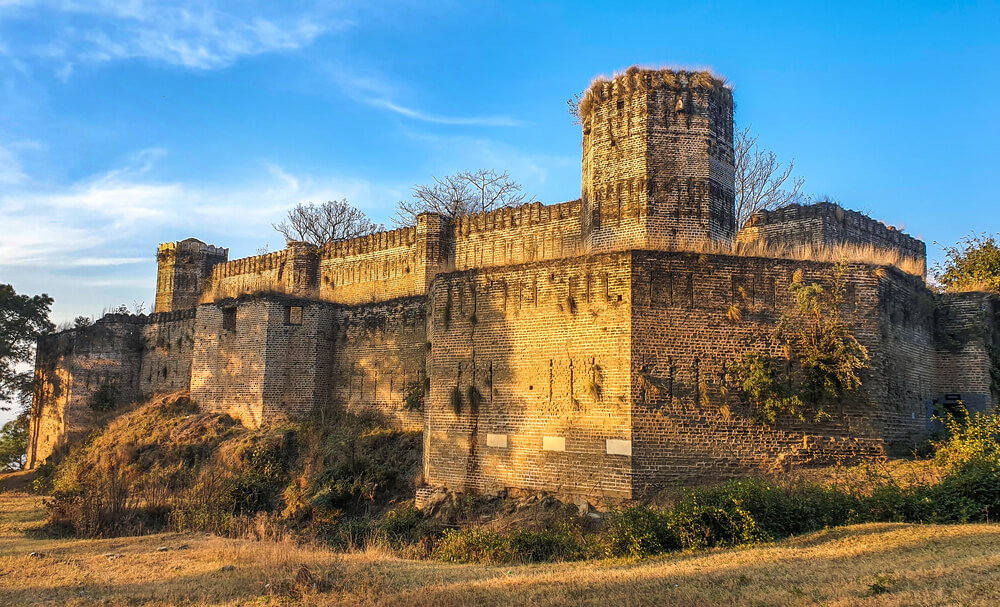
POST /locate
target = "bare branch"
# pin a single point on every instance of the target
(762, 183)
(325, 223)
(464, 193)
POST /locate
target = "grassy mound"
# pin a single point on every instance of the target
(166, 465)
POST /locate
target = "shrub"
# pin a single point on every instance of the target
(638, 532)
(104, 399)
(476, 545)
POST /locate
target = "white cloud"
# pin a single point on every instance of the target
(379, 91)
(100, 262)
(10, 168)
(102, 221)
(417, 115)
(189, 34)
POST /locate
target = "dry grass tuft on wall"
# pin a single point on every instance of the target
(850, 253)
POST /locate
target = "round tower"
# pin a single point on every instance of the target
(657, 160)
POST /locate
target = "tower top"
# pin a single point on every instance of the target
(638, 78)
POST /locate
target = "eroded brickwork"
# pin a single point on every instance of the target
(968, 350)
(657, 160)
(71, 368)
(182, 271)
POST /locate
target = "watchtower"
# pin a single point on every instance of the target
(182, 268)
(657, 160)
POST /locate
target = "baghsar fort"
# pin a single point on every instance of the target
(583, 348)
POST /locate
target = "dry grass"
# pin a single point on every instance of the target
(637, 78)
(903, 564)
(850, 253)
(972, 286)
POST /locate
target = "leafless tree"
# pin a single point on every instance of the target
(762, 183)
(461, 194)
(319, 224)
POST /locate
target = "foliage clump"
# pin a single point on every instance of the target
(971, 265)
(816, 338)
(104, 399)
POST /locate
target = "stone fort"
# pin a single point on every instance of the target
(578, 348)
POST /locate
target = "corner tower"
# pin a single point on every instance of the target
(182, 268)
(657, 160)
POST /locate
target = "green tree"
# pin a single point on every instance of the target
(972, 264)
(23, 319)
(14, 443)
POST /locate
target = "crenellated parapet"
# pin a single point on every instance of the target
(827, 225)
(182, 269)
(657, 169)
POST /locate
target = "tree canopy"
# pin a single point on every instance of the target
(320, 224)
(23, 319)
(464, 193)
(973, 264)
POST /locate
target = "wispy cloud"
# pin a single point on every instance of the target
(380, 91)
(417, 115)
(125, 210)
(10, 168)
(189, 34)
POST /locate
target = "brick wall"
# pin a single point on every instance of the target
(182, 272)
(379, 353)
(968, 349)
(657, 161)
(530, 232)
(228, 360)
(826, 224)
(693, 424)
(70, 367)
(168, 346)
(535, 357)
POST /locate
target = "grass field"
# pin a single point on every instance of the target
(878, 564)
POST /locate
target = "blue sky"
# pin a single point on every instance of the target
(126, 124)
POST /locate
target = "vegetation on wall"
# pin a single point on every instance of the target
(818, 342)
(104, 399)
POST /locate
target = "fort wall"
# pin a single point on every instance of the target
(968, 350)
(531, 232)
(689, 420)
(182, 269)
(529, 369)
(378, 357)
(825, 224)
(74, 367)
(168, 347)
(657, 160)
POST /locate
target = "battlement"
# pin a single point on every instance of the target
(192, 245)
(657, 160)
(370, 243)
(249, 265)
(825, 224)
(182, 269)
